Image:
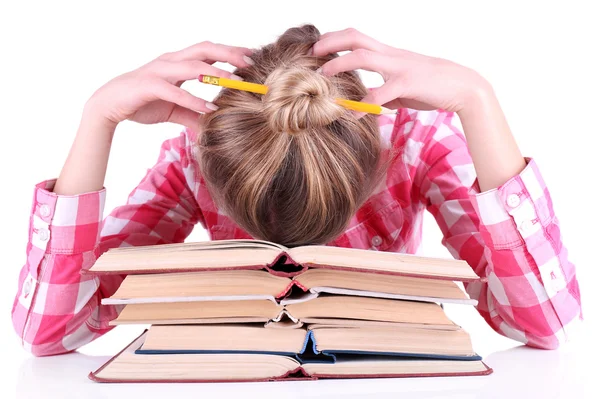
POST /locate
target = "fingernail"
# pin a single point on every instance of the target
(310, 51)
(320, 71)
(235, 77)
(248, 60)
(212, 106)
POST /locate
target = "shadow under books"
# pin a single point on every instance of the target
(520, 371)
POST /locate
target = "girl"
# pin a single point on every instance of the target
(293, 167)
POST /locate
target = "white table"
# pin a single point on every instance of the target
(519, 372)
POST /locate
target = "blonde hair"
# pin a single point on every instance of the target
(291, 166)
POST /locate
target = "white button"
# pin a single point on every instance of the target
(44, 234)
(26, 288)
(513, 200)
(376, 241)
(44, 210)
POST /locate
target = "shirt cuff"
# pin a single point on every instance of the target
(516, 211)
(65, 224)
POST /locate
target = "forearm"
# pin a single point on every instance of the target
(61, 317)
(57, 308)
(85, 167)
(491, 144)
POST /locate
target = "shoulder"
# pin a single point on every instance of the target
(419, 126)
(418, 136)
(179, 155)
(419, 140)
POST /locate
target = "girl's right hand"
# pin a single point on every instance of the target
(153, 93)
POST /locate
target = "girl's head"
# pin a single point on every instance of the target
(291, 166)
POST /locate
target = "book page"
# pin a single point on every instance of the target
(417, 341)
(373, 294)
(198, 245)
(214, 320)
(188, 287)
(364, 308)
(224, 338)
(128, 366)
(382, 368)
(189, 259)
(318, 256)
(316, 322)
(164, 312)
(399, 287)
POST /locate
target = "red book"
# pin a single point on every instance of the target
(219, 366)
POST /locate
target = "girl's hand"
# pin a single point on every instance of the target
(152, 93)
(411, 80)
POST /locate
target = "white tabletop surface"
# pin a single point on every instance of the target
(519, 372)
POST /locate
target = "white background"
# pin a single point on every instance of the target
(541, 58)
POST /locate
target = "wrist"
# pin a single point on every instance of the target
(93, 120)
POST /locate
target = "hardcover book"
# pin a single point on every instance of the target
(251, 310)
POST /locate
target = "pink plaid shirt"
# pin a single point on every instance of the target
(509, 235)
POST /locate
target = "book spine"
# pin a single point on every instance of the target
(288, 290)
(284, 266)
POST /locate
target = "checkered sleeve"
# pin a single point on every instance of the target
(57, 308)
(509, 235)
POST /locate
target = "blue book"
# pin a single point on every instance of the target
(314, 343)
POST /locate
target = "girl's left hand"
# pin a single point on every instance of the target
(411, 80)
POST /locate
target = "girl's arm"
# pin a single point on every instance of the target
(492, 146)
(508, 234)
(501, 219)
(150, 94)
(56, 308)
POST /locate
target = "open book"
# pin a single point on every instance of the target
(314, 343)
(325, 307)
(276, 259)
(250, 310)
(201, 353)
(234, 285)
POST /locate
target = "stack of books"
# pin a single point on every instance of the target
(251, 310)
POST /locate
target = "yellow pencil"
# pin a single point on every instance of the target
(262, 89)
(233, 84)
(364, 107)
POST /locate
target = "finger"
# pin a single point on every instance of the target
(324, 35)
(237, 56)
(384, 94)
(339, 32)
(196, 50)
(359, 59)
(346, 40)
(185, 117)
(188, 70)
(176, 95)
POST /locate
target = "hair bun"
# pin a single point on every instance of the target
(299, 99)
